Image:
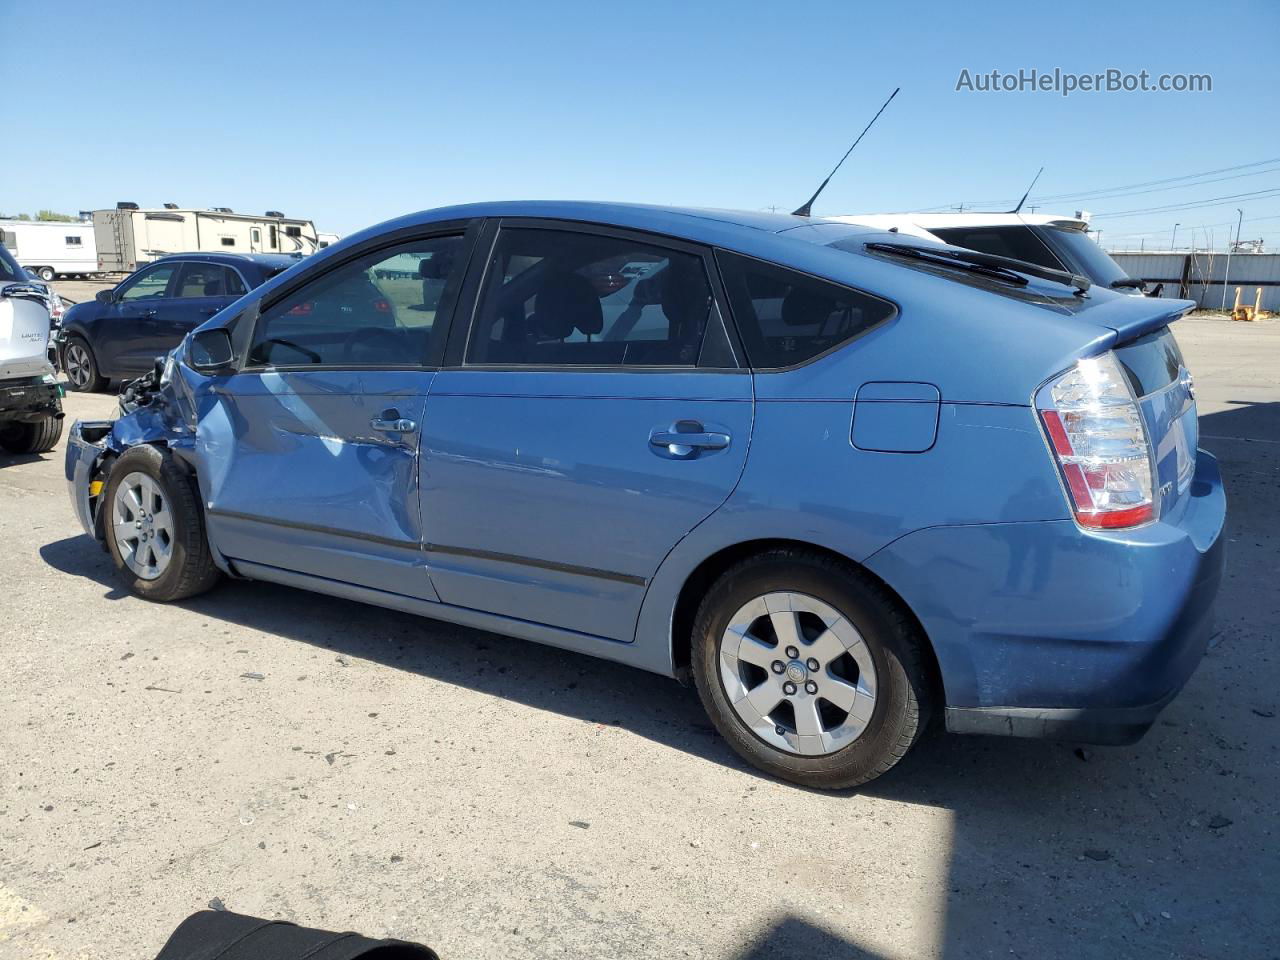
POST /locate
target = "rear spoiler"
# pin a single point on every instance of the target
(1134, 317)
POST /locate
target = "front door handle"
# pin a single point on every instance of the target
(685, 439)
(391, 422)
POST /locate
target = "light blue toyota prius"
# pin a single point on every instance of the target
(845, 480)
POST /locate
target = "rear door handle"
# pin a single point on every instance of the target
(685, 439)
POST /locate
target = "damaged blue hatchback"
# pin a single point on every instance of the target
(844, 480)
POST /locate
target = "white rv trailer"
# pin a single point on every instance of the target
(128, 237)
(51, 249)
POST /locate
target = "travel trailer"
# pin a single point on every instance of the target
(51, 249)
(128, 237)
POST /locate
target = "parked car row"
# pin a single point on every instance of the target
(845, 480)
(119, 333)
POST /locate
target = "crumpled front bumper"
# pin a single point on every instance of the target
(86, 450)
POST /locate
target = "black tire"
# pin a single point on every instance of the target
(38, 437)
(190, 569)
(903, 697)
(46, 274)
(92, 381)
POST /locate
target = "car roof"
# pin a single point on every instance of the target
(761, 230)
(265, 260)
(675, 220)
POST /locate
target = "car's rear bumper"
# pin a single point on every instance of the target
(1047, 630)
(85, 449)
(30, 398)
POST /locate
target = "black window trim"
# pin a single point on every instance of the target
(446, 312)
(889, 318)
(464, 325)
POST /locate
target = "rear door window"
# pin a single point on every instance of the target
(209, 280)
(569, 298)
(786, 317)
(1015, 241)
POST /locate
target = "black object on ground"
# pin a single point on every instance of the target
(219, 935)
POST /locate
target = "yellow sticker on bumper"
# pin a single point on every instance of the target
(95, 487)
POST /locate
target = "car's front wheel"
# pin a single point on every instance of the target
(81, 368)
(155, 528)
(809, 669)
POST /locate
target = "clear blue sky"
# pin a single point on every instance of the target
(351, 113)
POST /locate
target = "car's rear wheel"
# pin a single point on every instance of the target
(81, 368)
(810, 669)
(46, 274)
(40, 436)
(155, 527)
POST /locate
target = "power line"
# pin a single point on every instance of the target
(1095, 193)
(1193, 204)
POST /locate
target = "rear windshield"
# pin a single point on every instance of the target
(1092, 259)
(1039, 293)
(9, 269)
(1012, 240)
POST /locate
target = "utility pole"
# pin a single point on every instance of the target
(1226, 275)
(1173, 244)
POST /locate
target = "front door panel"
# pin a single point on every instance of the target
(299, 478)
(554, 496)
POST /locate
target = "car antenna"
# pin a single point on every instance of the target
(805, 209)
(1018, 208)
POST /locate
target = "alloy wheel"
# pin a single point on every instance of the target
(76, 360)
(798, 673)
(143, 525)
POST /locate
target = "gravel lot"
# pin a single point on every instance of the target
(493, 798)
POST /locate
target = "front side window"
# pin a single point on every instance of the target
(209, 280)
(786, 317)
(376, 310)
(560, 297)
(150, 283)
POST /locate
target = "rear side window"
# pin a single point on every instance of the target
(209, 280)
(787, 318)
(1014, 241)
(565, 298)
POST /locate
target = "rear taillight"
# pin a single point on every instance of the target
(1095, 431)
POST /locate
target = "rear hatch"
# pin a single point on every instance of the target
(24, 333)
(1137, 329)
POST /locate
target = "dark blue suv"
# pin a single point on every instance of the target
(121, 332)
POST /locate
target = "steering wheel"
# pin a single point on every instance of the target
(385, 344)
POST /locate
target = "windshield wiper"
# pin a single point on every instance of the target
(1004, 268)
(1133, 282)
